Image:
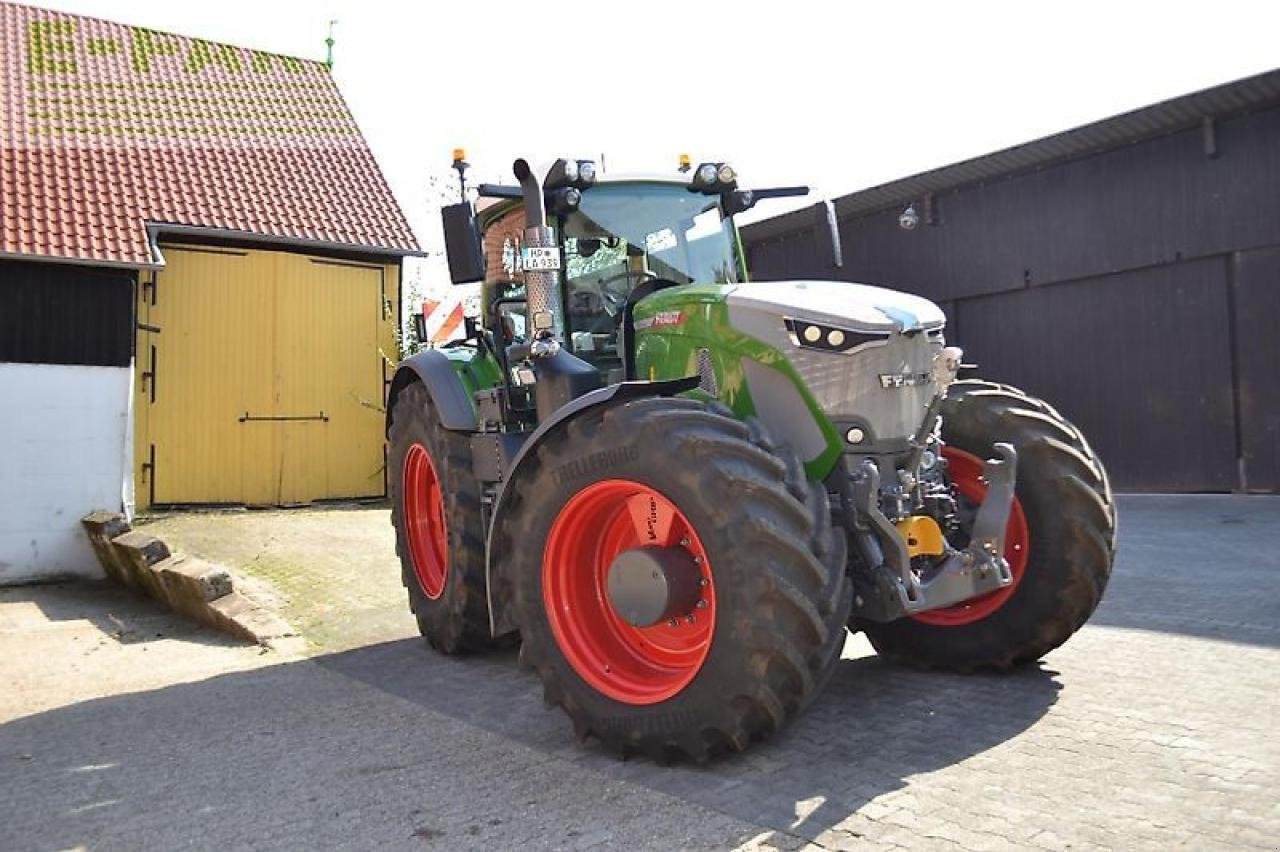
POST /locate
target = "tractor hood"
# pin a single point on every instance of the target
(858, 307)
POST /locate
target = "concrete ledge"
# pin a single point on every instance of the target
(242, 617)
(137, 552)
(102, 527)
(200, 590)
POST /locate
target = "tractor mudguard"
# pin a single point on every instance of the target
(499, 619)
(448, 393)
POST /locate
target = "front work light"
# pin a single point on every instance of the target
(563, 201)
(714, 179)
(576, 173)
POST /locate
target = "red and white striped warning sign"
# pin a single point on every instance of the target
(443, 317)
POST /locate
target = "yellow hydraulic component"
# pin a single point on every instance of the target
(922, 535)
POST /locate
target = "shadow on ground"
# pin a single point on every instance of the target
(389, 745)
(872, 728)
(123, 614)
(385, 739)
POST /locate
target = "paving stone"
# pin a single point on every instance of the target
(1152, 728)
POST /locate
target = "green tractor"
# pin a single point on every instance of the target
(678, 489)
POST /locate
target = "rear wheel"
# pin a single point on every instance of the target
(435, 508)
(1059, 543)
(678, 589)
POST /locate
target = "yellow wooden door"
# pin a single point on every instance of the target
(265, 385)
(214, 311)
(329, 378)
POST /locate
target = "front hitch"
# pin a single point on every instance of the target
(979, 569)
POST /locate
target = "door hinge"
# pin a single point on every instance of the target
(149, 377)
(148, 474)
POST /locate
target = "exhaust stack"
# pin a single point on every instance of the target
(540, 285)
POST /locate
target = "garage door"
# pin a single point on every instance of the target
(260, 378)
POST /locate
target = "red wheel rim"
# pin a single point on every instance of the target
(633, 665)
(965, 471)
(424, 521)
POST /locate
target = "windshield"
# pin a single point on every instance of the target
(650, 230)
(625, 234)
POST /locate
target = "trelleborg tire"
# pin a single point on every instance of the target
(435, 509)
(1060, 541)
(691, 480)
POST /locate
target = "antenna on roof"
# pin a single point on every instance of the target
(328, 43)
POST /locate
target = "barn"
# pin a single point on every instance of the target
(1128, 271)
(200, 266)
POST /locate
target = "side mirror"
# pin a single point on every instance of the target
(826, 231)
(462, 243)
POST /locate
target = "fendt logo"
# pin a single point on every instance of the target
(55, 47)
(904, 380)
(662, 319)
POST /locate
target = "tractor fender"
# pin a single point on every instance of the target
(448, 394)
(500, 621)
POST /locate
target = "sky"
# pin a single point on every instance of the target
(836, 95)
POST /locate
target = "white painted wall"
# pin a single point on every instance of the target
(64, 442)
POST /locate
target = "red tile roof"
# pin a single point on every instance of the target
(106, 129)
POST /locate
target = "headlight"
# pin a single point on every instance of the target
(813, 335)
(563, 201)
(564, 172)
(727, 175)
(706, 174)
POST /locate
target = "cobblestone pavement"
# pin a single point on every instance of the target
(1153, 728)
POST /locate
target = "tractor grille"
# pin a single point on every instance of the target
(707, 374)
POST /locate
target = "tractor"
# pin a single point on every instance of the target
(677, 489)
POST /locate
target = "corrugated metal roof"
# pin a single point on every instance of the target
(1181, 113)
(105, 128)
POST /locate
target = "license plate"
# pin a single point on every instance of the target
(539, 259)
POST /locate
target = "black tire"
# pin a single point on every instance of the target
(458, 620)
(1071, 519)
(782, 595)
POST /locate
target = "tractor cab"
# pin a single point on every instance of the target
(618, 239)
(632, 237)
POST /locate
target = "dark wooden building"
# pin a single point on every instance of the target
(1128, 271)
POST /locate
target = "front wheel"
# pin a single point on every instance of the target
(1059, 543)
(677, 585)
(435, 509)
